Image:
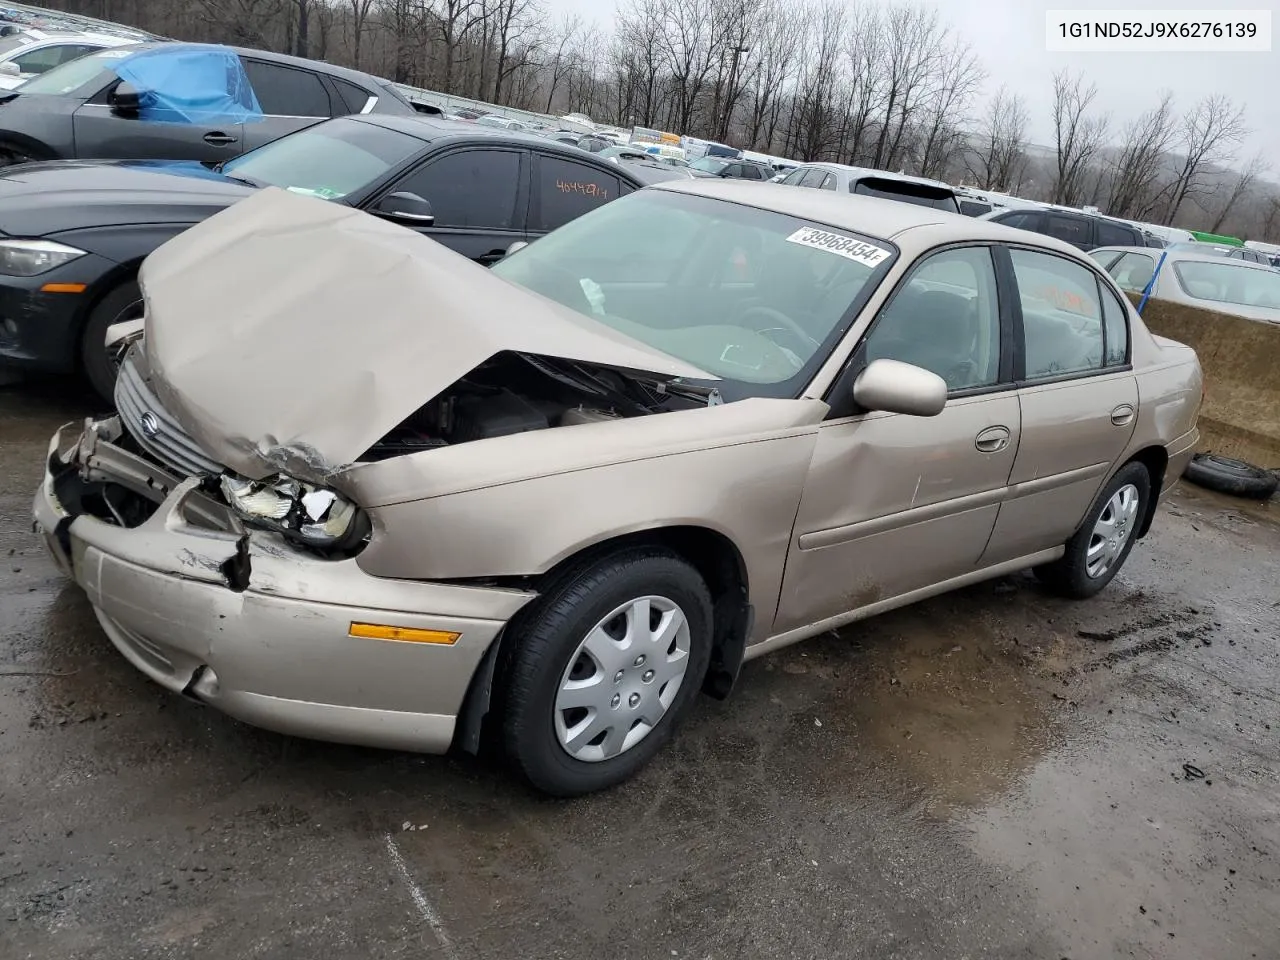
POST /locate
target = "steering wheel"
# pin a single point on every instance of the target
(775, 320)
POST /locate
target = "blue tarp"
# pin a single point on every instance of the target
(191, 83)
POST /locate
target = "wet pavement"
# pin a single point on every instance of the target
(995, 773)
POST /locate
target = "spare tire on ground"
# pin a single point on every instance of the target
(1235, 477)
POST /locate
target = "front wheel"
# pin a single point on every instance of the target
(1100, 547)
(603, 669)
(100, 360)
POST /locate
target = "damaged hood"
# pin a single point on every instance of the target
(290, 334)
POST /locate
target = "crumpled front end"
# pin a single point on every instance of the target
(242, 619)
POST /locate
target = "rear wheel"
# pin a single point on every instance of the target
(1100, 547)
(603, 669)
(100, 362)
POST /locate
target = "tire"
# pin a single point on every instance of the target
(100, 367)
(1075, 574)
(1235, 477)
(547, 654)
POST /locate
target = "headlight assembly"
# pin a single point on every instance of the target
(30, 258)
(302, 512)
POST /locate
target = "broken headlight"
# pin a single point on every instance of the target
(302, 512)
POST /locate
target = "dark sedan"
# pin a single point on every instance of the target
(73, 233)
(85, 108)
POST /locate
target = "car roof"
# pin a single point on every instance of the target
(879, 174)
(333, 70)
(911, 225)
(429, 129)
(40, 38)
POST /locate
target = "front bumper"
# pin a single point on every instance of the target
(40, 331)
(241, 621)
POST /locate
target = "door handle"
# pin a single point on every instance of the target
(493, 256)
(1122, 414)
(992, 439)
(218, 139)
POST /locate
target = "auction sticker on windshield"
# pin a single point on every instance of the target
(850, 248)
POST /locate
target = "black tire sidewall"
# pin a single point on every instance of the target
(1235, 477)
(545, 639)
(97, 366)
(1069, 575)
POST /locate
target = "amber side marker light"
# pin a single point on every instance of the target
(64, 288)
(382, 631)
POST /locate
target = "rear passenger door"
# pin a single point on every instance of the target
(565, 189)
(1078, 397)
(478, 197)
(291, 99)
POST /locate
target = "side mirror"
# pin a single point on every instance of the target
(408, 208)
(10, 69)
(516, 247)
(126, 100)
(897, 387)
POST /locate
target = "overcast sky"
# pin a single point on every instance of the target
(1009, 38)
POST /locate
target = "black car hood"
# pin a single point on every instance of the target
(44, 199)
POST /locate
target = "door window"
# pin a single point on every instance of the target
(1074, 230)
(46, 58)
(354, 97)
(1116, 235)
(795, 176)
(1133, 271)
(287, 92)
(946, 319)
(828, 182)
(1061, 314)
(469, 188)
(567, 190)
(813, 178)
(1115, 321)
(1026, 220)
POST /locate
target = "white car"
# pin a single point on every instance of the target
(1196, 279)
(506, 123)
(30, 53)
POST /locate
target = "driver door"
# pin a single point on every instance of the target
(102, 134)
(895, 503)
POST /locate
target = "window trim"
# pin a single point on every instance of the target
(1090, 228)
(839, 394)
(521, 213)
(1020, 365)
(282, 66)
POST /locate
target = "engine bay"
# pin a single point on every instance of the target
(518, 393)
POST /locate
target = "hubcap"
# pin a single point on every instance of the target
(621, 680)
(1112, 531)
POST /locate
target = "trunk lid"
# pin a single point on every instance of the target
(289, 334)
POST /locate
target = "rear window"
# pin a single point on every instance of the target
(920, 194)
(1117, 235)
(974, 208)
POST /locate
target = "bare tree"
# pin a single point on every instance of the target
(1135, 186)
(1078, 137)
(782, 26)
(1271, 218)
(1245, 181)
(812, 131)
(1001, 153)
(245, 22)
(915, 41)
(358, 18)
(865, 99)
(561, 60)
(954, 86)
(1210, 134)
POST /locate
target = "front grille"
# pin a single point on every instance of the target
(154, 429)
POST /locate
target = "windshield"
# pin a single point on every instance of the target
(1229, 283)
(920, 194)
(709, 164)
(752, 296)
(329, 160)
(74, 74)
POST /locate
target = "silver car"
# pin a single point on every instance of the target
(1197, 279)
(866, 182)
